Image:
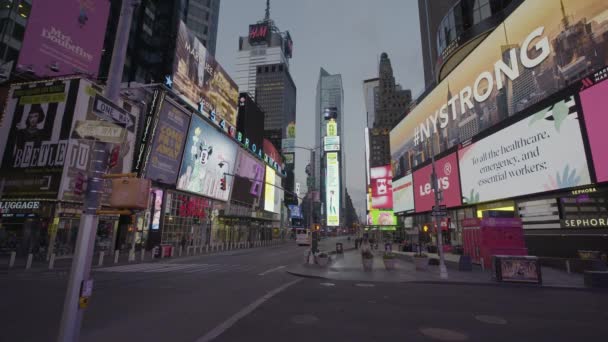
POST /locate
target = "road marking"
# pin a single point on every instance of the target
(227, 324)
(444, 334)
(365, 285)
(271, 270)
(491, 319)
(327, 284)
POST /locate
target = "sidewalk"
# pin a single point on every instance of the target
(349, 267)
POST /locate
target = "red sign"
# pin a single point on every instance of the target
(193, 206)
(258, 33)
(447, 182)
(381, 179)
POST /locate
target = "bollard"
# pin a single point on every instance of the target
(483, 266)
(180, 250)
(568, 266)
(101, 255)
(116, 255)
(207, 249)
(11, 262)
(143, 254)
(131, 255)
(30, 257)
(52, 261)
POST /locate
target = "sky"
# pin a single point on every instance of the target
(344, 37)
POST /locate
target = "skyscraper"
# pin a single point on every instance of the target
(153, 34)
(370, 93)
(330, 96)
(264, 45)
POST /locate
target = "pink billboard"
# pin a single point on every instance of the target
(594, 104)
(447, 182)
(381, 183)
(64, 37)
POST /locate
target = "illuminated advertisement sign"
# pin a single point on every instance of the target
(403, 194)
(64, 37)
(381, 183)
(382, 218)
(208, 156)
(332, 128)
(447, 183)
(331, 143)
(594, 103)
(288, 48)
(527, 58)
(332, 189)
(259, 33)
(542, 152)
(156, 197)
(168, 144)
(269, 190)
(201, 81)
(248, 180)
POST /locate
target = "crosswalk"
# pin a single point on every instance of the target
(178, 268)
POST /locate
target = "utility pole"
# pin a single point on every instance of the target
(80, 283)
(443, 271)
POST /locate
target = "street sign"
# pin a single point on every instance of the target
(440, 208)
(440, 211)
(298, 189)
(107, 110)
(99, 130)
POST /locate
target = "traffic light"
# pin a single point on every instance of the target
(223, 183)
(317, 227)
(425, 228)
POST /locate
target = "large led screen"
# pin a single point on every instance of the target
(447, 183)
(248, 179)
(382, 218)
(332, 189)
(542, 152)
(269, 190)
(381, 183)
(403, 194)
(595, 105)
(208, 156)
(527, 58)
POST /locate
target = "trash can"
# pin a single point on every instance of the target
(339, 248)
(156, 251)
(166, 250)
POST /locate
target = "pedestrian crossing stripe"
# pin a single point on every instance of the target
(166, 267)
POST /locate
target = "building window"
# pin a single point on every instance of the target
(481, 11)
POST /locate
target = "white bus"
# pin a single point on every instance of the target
(303, 236)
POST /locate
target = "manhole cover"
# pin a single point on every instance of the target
(327, 284)
(443, 334)
(365, 285)
(491, 319)
(304, 319)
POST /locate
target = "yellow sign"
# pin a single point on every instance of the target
(291, 130)
(332, 128)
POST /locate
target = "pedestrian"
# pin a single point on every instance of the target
(357, 243)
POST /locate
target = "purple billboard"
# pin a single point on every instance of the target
(64, 37)
(248, 180)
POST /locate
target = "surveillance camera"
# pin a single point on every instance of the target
(54, 67)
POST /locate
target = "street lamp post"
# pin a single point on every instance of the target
(443, 271)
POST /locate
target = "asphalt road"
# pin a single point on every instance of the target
(245, 295)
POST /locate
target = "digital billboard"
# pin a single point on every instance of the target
(34, 137)
(382, 218)
(208, 156)
(202, 82)
(403, 194)
(167, 146)
(269, 190)
(64, 37)
(250, 124)
(594, 103)
(259, 33)
(248, 180)
(542, 152)
(332, 189)
(447, 183)
(381, 183)
(528, 57)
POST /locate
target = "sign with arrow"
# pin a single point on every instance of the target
(106, 110)
(99, 130)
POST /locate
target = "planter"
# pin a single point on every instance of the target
(421, 263)
(323, 261)
(368, 264)
(390, 264)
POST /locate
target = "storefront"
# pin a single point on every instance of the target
(185, 220)
(24, 225)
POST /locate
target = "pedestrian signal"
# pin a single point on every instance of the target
(223, 183)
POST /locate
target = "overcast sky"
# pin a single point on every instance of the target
(345, 37)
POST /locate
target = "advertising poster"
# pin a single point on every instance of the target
(332, 189)
(447, 182)
(208, 155)
(542, 152)
(156, 197)
(95, 117)
(34, 138)
(381, 179)
(248, 180)
(382, 218)
(403, 194)
(595, 103)
(200, 79)
(64, 37)
(486, 88)
(269, 190)
(168, 144)
(519, 270)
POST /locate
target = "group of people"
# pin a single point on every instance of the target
(366, 243)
